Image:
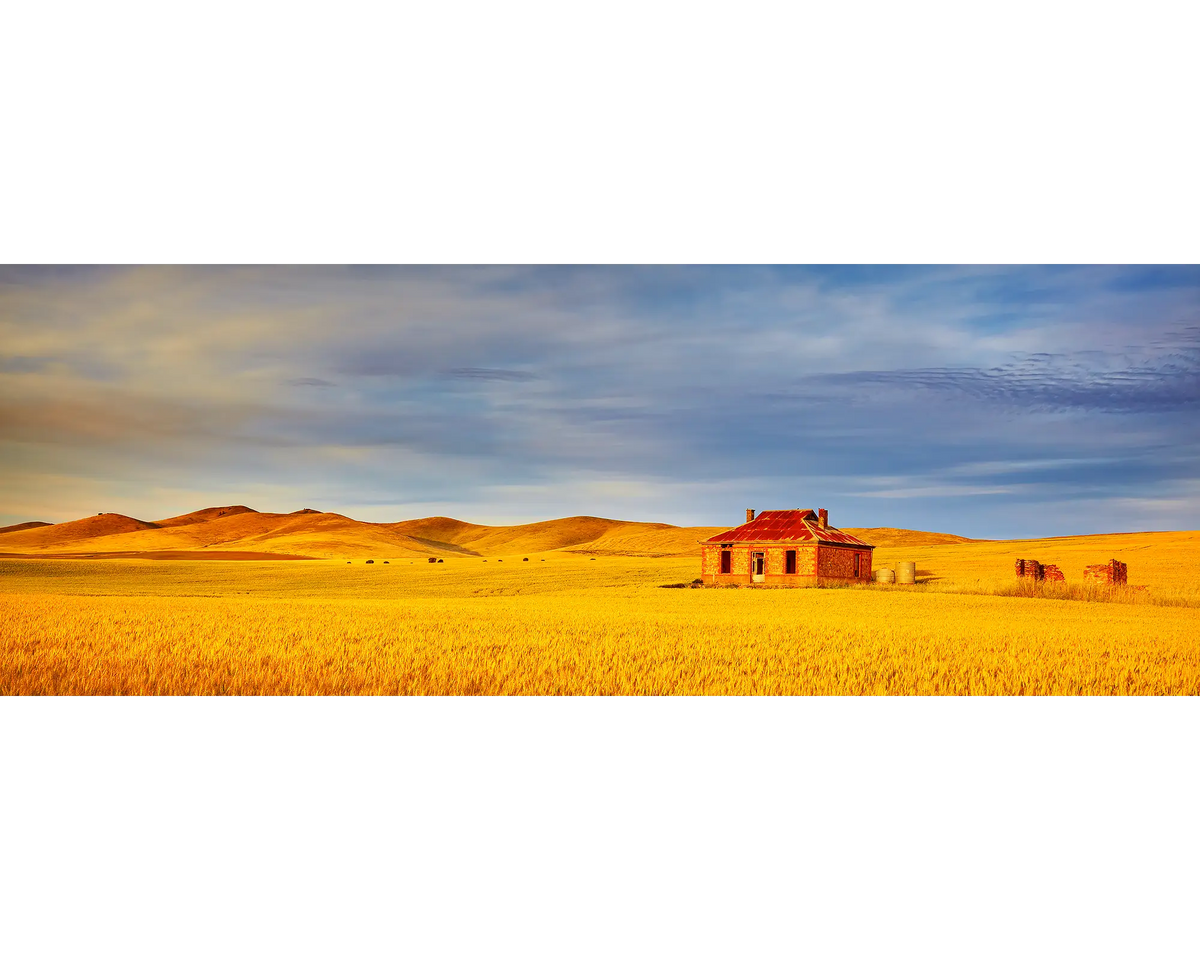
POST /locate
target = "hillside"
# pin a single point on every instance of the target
(224, 530)
(28, 525)
(439, 529)
(898, 537)
(592, 535)
(201, 516)
(71, 533)
(308, 533)
(649, 540)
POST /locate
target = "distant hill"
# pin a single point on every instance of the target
(897, 537)
(443, 529)
(28, 525)
(51, 535)
(310, 533)
(593, 535)
(200, 516)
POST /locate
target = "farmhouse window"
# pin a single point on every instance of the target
(726, 562)
(856, 557)
(791, 561)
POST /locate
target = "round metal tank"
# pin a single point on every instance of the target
(884, 575)
(906, 572)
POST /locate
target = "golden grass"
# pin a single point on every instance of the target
(1167, 563)
(563, 625)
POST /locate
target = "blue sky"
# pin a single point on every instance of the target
(987, 401)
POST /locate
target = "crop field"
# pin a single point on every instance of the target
(566, 624)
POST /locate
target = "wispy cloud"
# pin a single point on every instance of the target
(309, 382)
(1053, 382)
(489, 373)
(992, 396)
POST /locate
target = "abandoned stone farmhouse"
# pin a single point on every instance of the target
(787, 548)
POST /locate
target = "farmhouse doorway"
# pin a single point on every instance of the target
(757, 568)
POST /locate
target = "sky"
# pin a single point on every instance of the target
(996, 402)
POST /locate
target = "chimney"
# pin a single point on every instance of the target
(823, 518)
(749, 515)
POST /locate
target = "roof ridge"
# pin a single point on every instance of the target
(792, 525)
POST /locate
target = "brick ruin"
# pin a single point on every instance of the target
(1113, 572)
(1039, 571)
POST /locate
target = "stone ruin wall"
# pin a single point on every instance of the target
(1039, 571)
(806, 561)
(711, 562)
(775, 565)
(837, 563)
(1111, 573)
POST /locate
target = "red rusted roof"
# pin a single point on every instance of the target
(786, 526)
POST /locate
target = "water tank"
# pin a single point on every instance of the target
(906, 572)
(884, 575)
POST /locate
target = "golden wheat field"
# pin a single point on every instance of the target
(566, 624)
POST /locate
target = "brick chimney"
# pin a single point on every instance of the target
(749, 515)
(823, 518)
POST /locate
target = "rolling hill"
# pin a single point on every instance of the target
(593, 535)
(55, 536)
(240, 531)
(897, 537)
(29, 525)
(200, 516)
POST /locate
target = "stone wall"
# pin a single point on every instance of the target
(775, 557)
(1113, 572)
(837, 563)
(1031, 569)
(1039, 571)
(813, 563)
(806, 561)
